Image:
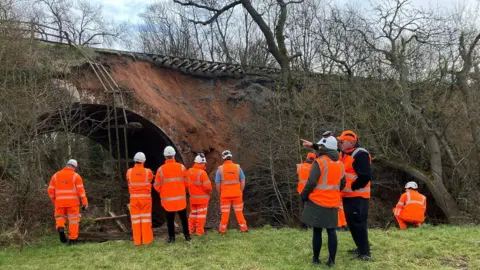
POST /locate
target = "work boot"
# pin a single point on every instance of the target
(188, 238)
(354, 252)
(61, 234)
(315, 260)
(364, 257)
(330, 263)
(171, 240)
(72, 242)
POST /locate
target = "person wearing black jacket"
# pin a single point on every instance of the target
(356, 194)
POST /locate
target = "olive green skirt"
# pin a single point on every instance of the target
(318, 216)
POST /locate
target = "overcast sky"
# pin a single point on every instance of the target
(128, 10)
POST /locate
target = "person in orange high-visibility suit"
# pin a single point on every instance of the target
(411, 207)
(139, 181)
(229, 183)
(200, 189)
(65, 189)
(303, 170)
(342, 221)
(171, 182)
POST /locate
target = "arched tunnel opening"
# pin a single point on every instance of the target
(122, 133)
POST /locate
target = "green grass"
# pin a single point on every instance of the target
(442, 247)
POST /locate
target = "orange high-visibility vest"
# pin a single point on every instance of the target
(171, 181)
(199, 185)
(412, 206)
(139, 182)
(230, 179)
(303, 171)
(351, 175)
(327, 191)
(66, 186)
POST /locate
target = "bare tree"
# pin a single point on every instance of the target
(81, 22)
(275, 39)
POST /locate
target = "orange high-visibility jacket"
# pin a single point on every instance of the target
(351, 175)
(171, 181)
(327, 191)
(230, 179)
(303, 170)
(412, 206)
(199, 185)
(66, 186)
(139, 181)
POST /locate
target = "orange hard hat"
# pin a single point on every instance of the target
(311, 156)
(348, 135)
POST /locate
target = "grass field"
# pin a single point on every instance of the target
(442, 247)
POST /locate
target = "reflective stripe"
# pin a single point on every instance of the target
(83, 195)
(140, 195)
(136, 221)
(225, 206)
(225, 211)
(323, 185)
(140, 215)
(65, 191)
(410, 201)
(201, 216)
(74, 221)
(193, 211)
(146, 183)
(173, 179)
(229, 182)
(400, 203)
(351, 175)
(202, 209)
(173, 198)
(206, 181)
(199, 196)
(303, 181)
(223, 226)
(340, 207)
(145, 220)
(79, 186)
(66, 197)
(74, 216)
(51, 187)
(242, 225)
(358, 190)
(359, 149)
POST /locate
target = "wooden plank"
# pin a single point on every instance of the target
(119, 223)
(110, 218)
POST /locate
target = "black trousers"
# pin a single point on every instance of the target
(171, 222)
(356, 213)
(332, 243)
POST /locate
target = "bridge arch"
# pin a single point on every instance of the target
(95, 120)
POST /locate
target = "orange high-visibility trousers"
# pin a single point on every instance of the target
(141, 216)
(73, 215)
(342, 221)
(197, 218)
(237, 203)
(403, 222)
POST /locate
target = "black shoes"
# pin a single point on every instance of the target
(364, 257)
(171, 240)
(72, 242)
(315, 260)
(188, 238)
(354, 252)
(330, 263)
(61, 234)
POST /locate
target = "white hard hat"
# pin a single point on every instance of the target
(72, 162)
(169, 151)
(329, 142)
(200, 158)
(139, 157)
(411, 185)
(226, 154)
